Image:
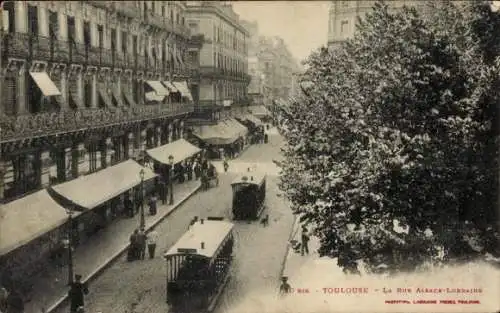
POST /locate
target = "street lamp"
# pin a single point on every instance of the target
(68, 244)
(171, 178)
(142, 221)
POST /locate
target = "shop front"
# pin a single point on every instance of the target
(225, 139)
(101, 196)
(32, 230)
(173, 162)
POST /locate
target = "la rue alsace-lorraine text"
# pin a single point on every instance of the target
(455, 291)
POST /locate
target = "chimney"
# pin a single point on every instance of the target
(203, 245)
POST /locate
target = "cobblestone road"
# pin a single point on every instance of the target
(140, 286)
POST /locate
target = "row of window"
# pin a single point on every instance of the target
(129, 42)
(228, 63)
(229, 40)
(167, 10)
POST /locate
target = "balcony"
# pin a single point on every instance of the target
(105, 57)
(51, 123)
(39, 48)
(78, 53)
(181, 30)
(141, 63)
(159, 21)
(15, 45)
(100, 4)
(210, 71)
(60, 51)
(126, 9)
(118, 60)
(93, 56)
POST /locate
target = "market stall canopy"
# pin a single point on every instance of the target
(170, 86)
(92, 190)
(28, 218)
(180, 149)
(153, 96)
(254, 120)
(214, 134)
(46, 85)
(158, 88)
(183, 89)
(241, 130)
(259, 111)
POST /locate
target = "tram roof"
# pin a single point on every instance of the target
(253, 178)
(212, 233)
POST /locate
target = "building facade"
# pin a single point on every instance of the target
(223, 58)
(73, 86)
(344, 14)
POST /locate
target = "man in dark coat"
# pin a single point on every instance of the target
(76, 294)
(134, 246)
(129, 206)
(141, 238)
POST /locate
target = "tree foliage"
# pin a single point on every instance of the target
(400, 124)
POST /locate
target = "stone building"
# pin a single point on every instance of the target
(223, 57)
(344, 14)
(86, 86)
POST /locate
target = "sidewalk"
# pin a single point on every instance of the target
(90, 258)
(294, 262)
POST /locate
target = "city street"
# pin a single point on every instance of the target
(140, 286)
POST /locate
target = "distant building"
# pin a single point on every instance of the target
(343, 16)
(224, 55)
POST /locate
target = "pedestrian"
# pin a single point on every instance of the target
(152, 238)
(152, 205)
(304, 247)
(226, 165)
(285, 287)
(15, 303)
(197, 169)
(189, 170)
(129, 206)
(76, 294)
(193, 221)
(133, 250)
(4, 295)
(142, 243)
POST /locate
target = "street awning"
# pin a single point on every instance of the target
(46, 85)
(214, 134)
(170, 86)
(259, 111)
(158, 88)
(92, 190)
(118, 97)
(183, 89)
(130, 99)
(153, 96)
(240, 129)
(105, 95)
(28, 218)
(253, 119)
(179, 149)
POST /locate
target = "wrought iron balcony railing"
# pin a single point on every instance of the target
(59, 51)
(206, 106)
(78, 53)
(15, 45)
(39, 48)
(210, 71)
(126, 9)
(101, 4)
(50, 123)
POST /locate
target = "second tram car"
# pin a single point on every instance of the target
(198, 266)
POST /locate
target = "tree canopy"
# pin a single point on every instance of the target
(399, 125)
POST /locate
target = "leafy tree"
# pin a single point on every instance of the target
(399, 124)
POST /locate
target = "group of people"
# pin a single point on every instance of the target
(10, 301)
(139, 240)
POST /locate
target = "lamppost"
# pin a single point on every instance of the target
(171, 179)
(142, 221)
(68, 244)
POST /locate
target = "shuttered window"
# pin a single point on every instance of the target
(10, 92)
(74, 101)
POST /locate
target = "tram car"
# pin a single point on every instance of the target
(198, 266)
(249, 194)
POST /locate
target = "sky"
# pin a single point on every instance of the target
(303, 25)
